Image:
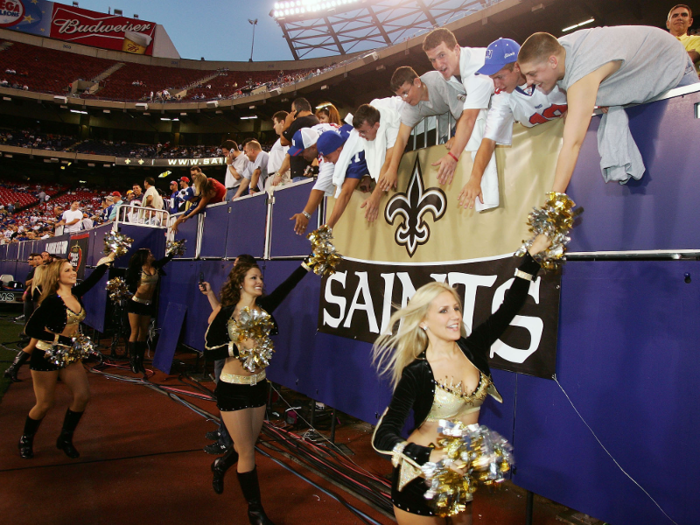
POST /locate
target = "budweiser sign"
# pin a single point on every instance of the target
(72, 24)
(97, 29)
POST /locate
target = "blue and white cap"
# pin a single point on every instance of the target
(499, 53)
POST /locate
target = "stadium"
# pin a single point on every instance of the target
(93, 105)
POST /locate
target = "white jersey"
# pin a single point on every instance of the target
(477, 88)
(526, 105)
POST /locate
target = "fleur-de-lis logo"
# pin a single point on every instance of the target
(412, 206)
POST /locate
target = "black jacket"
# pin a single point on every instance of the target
(217, 339)
(416, 388)
(51, 313)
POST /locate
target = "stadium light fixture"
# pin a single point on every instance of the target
(307, 7)
(250, 117)
(580, 24)
(78, 111)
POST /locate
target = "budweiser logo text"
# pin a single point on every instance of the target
(72, 26)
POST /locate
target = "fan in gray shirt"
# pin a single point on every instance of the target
(604, 66)
(425, 96)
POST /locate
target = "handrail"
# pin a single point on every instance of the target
(142, 216)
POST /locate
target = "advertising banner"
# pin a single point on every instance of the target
(77, 255)
(422, 235)
(72, 24)
(169, 163)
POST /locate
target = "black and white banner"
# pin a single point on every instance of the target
(358, 300)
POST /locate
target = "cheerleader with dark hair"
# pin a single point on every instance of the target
(242, 395)
(142, 278)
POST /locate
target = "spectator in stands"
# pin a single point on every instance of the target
(174, 201)
(377, 125)
(237, 165)
(118, 202)
(87, 223)
(209, 191)
(137, 197)
(330, 146)
(107, 205)
(258, 169)
(604, 66)
(453, 61)
(427, 95)
(186, 192)
(278, 151)
(300, 117)
(328, 114)
(152, 199)
(71, 219)
(679, 20)
(46, 258)
(304, 144)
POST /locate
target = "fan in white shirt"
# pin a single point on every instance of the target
(513, 102)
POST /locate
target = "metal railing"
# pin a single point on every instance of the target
(142, 216)
(432, 131)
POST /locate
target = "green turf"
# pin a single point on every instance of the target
(9, 332)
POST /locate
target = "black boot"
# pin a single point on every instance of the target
(251, 493)
(133, 359)
(219, 468)
(65, 439)
(140, 352)
(11, 372)
(26, 442)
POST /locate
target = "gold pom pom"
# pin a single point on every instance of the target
(254, 325)
(117, 243)
(554, 220)
(473, 454)
(175, 248)
(64, 355)
(324, 257)
(117, 290)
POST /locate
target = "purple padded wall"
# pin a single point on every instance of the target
(656, 212)
(331, 369)
(95, 302)
(289, 201)
(214, 233)
(246, 227)
(628, 359)
(188, 231)
(180, 286)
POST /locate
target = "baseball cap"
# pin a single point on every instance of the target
(184, 179)
(116, 194)
(330, 141)
(499, 53)
(302, 139)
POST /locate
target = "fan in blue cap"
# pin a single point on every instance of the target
(499, 53)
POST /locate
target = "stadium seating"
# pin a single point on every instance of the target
(47, 70)
(119, 85)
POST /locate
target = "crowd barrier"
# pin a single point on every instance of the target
(627, 350)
